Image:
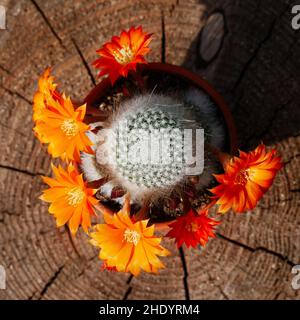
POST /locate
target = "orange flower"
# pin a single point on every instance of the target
(46, 95)
(126, 245)
(246, 179)
(71, 200)
(58, 123)
(123, 53)
(193, 229)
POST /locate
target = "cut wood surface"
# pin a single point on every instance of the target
(253, 61)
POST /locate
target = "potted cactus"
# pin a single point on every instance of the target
(151, 146)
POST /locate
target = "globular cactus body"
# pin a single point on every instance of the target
(161, 120)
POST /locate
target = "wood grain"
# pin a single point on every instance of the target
(257, 71)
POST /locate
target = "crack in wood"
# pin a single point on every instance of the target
(266, 250)
(129, 279)
(16, 93)
(43, 15)
(129, 289)
(85, 64)
(5, 70)
(185, 271)
(277, 296)
(32, 174)
(127, 293)
(173, 7)
(256, 51)
(50, 282)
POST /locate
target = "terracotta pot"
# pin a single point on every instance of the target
(101, 90)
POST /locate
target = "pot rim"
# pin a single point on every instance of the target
(102, 88)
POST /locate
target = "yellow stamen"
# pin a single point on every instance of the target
(124, 55)
(192, 227)
(132, 236)
(69, 127)
(75, 196)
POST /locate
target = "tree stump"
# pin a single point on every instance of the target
(255, 65)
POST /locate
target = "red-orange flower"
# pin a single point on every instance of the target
(246, 179)
(123, 53)
(71, 200)
(58, 123)
(193, 229)
(128, 246)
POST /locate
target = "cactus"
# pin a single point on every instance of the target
(151, 175)
(152, 114)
